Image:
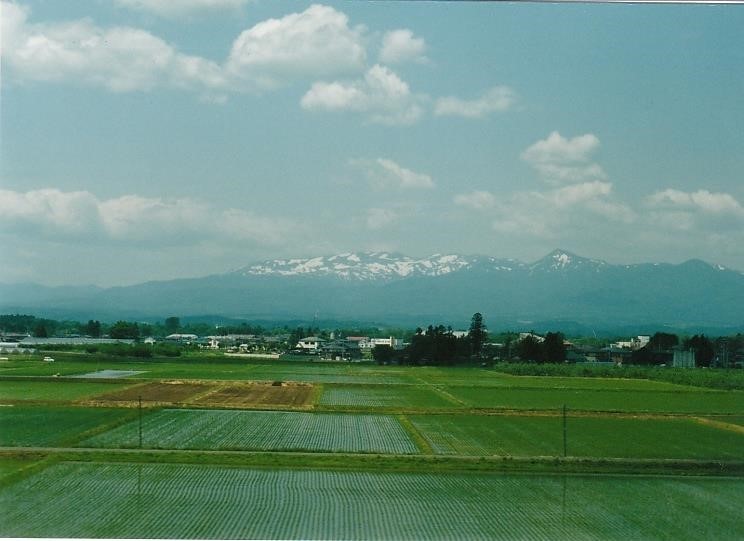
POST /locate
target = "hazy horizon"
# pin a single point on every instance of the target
(150, 139)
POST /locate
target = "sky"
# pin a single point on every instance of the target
(157, 139)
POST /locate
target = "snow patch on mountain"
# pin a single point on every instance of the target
(362, 266)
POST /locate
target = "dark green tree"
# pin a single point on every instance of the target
(172, 324)
(553, 348)
(93, 328)
(40, 330)
(124, 329)
(662, 341)
(477, 334)
(704, 350)
(528, 349)
(295, 336)
(383, 354)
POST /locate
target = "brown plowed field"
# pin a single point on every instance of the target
(258, 395)
(161, 392)
(210, 394)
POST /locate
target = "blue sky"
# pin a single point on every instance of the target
(152, 139)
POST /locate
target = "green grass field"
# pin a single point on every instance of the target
(586, 437)
(27, 426)
(383, 396)
(57, 391)
(361, 465)
(602, 400)
(191, 501)
(261, 430)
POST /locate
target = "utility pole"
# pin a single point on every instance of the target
(140, 421)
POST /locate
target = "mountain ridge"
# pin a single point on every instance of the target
(384, 286)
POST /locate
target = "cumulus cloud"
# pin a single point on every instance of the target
(399, 46)
(496, 100)
(54, 214)
(701, 210)
(120, 59)
(478, 200)
(179, 8)
(559, 160)
(314, 43)
(379, 218)
(567, 211)
(702, 200)
(385, 174)
(381, 94)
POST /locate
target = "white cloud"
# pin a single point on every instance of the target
(701, 200)
(496, 100)
(568, 211)
(700, 210)
(379, 218)
(400, 46)
(179, 8)
(315, 43)
(478, 200)
(557, 149)
(559, 160)
(121, 59)
(53, 214)
(382, 95)
(49, 211)
(385, 174)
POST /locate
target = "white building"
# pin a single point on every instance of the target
(370, 343)
(188, 338)
(634, 343)
(310, 343)
(537, 337)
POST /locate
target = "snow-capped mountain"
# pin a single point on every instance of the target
(390, 287)
(373, 266)
(561, 260)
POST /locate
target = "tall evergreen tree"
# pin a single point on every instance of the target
(477, 334)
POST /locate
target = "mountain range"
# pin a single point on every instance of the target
(561, 288)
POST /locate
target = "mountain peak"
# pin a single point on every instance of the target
(361, 266)
(562, 260)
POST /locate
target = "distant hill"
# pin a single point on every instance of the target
(561, 288)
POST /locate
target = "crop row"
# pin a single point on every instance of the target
(191, 501)
(479, 435)
(53, 426)
(602, 400)
(261, 430)
(399, 396)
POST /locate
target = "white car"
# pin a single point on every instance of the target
(48, 360)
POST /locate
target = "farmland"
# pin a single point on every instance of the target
(261, 430)
(369, 451)
(188, 501)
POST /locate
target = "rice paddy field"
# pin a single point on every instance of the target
(233, 448)
(261, 430)
(189, 501)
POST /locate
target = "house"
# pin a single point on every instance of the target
(340, 350)
(371, 343)
(534, 336)
(634, 343)
(310, 344)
